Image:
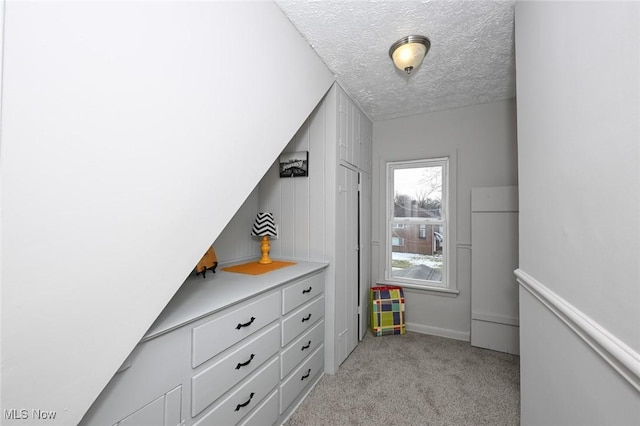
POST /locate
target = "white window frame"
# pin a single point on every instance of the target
(446, 284)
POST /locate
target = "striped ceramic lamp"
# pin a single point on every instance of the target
(264, 227)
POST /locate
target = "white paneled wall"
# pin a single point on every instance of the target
(298, 204)
(235, 244)
(494, 295)
(305, 208)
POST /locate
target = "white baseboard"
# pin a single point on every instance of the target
(615, 352)
(436, 331)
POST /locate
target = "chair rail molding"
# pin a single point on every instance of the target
(616, 353)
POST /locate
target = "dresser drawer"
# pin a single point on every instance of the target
(300, 378)
(301, 292)
(300, 348)
(301, 319)
(217, 379)
(242, 400)
(218, 334)
(266, 413)
(165, 410)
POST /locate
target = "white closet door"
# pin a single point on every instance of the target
(494, 257)
(346, 263)
(365, 253)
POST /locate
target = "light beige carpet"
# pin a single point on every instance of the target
(416, 379)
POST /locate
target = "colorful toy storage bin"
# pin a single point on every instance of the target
(387, 310)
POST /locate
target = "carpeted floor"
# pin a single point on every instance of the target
(416, 379)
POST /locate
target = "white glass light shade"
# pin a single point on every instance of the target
(409, 52)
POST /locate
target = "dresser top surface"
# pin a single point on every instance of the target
(199, 297)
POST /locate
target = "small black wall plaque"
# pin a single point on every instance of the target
(294, 164)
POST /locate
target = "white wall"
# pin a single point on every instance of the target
(235, 243)
(579, 171)
(305, 208)
(298, 204)
(302, 206)
(131, 134)
(481, 142)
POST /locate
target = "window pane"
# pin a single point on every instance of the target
(422, 232)
(417, 258)
(417, 192)
(397, 241)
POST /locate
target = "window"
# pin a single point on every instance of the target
(417, 222)
(422, 232)
(397, 241)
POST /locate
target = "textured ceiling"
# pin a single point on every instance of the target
(471, 60)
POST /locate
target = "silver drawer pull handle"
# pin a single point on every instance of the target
(307, 346)
(307, 290)
(246, 324)
(306, 318)
(239, 406)
(306, 375)
(244, 364)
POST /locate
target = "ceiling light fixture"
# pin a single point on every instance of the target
(408, 52)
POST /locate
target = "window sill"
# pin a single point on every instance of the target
(436, 291)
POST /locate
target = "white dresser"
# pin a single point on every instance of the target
(228, 349)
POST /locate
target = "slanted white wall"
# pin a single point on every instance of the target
(578, 68)
(235, 243)
(131, 134)
(481, 143)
